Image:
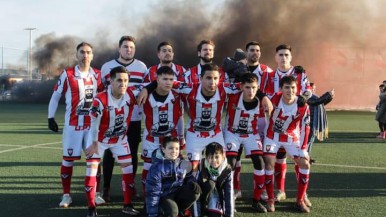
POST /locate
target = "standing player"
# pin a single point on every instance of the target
(79, 85)
(137, 71)
(241, 129)
(205, 51)
(288, 127)
(110, 119)
(283, 58)
(161, 114)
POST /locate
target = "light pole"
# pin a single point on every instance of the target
(30, 29)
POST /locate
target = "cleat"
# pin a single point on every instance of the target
(129, 209)
(302, 207)
(99, 199)
(92, 212)
(280, 196)
(66, 201)
(237, 194)
(270, 205)
(106, 195)
(256, 205)
(264, 195)
(307, 201)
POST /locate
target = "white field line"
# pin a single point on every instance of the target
(25, 147)
(11, 145)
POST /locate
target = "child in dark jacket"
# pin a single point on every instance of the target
(170, 187)
(216, 181)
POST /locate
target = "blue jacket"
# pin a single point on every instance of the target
(165, 177)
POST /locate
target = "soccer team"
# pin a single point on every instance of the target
(266, 115)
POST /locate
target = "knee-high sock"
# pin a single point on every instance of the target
(66, 175)
(258, 183)
(127, 184)
(269, 184)
(236, 176)
(90, 181)
(304, 176)
(280, 172)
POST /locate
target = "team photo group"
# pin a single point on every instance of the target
(190, 127)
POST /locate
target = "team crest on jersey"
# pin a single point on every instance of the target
(229, 146)
(88, 188)
(189, 156)
(145, 151)
(268, 148)
(70, 151)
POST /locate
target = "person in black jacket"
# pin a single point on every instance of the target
(216, 181)
(318, 117)
(170, 187)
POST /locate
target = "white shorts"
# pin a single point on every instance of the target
(148, 149)
(120, 150)
(196, 144)
(74, 141)
(293, 149)
(252, 144)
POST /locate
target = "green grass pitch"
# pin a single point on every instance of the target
(349, 178)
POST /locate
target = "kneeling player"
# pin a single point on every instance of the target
(241, 129)
(110, 118)
(289, 128)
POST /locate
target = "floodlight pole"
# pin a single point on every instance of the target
(30, 29)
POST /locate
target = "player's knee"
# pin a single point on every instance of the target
(269, 162)
(258, 161)
(303, 163)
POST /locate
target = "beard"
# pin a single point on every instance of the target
(206, 59)
(166, 61)
(127, 58)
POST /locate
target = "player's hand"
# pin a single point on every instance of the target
(142, 96)
(332, 92)
(267, 104)
(92, 149)
(299, 69)
(52, 125)
(301, 100)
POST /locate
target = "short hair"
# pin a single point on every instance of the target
(381, 85)
(169, 139)
(164, 43)
(312, 84)
(208, 67)
(199, 46)
(283, 47)
(165, 70)
(119, 69)
(251, 43)
(83, 44)
(249, 78)
(287, 80)
(384, 81)
(213, 148)
(126, 38)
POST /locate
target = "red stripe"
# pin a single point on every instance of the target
(124, 157)
(71, 158)
(231, 153)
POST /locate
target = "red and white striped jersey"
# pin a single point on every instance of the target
(179, 73)
(239, 120)
(161, 118)
(273, 81)
(79, 90)
(114, 116)
(204, 116)
(137, 71)
(193, 75)
(288, 126)
(262, 71)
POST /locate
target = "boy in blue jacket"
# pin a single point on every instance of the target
(170, 187)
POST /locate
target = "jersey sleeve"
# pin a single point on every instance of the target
(231, 88)
(61, 86)
(182, 87)
(96, 116)
(105, 74)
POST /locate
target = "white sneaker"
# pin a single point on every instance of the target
(264, 195)
(237, 194)
(98, 199)
(280, 196)
(66, 201)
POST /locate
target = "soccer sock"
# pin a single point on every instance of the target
(66, 175)
(98, 179)
(304, 176)
(280, 172)
(127, 184)
(236, 176)
(258, 185)
(269, 184)
(90, 181)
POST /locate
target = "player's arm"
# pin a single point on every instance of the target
(96, 117)
(324, 99)
(59, 88)
(153, 190)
